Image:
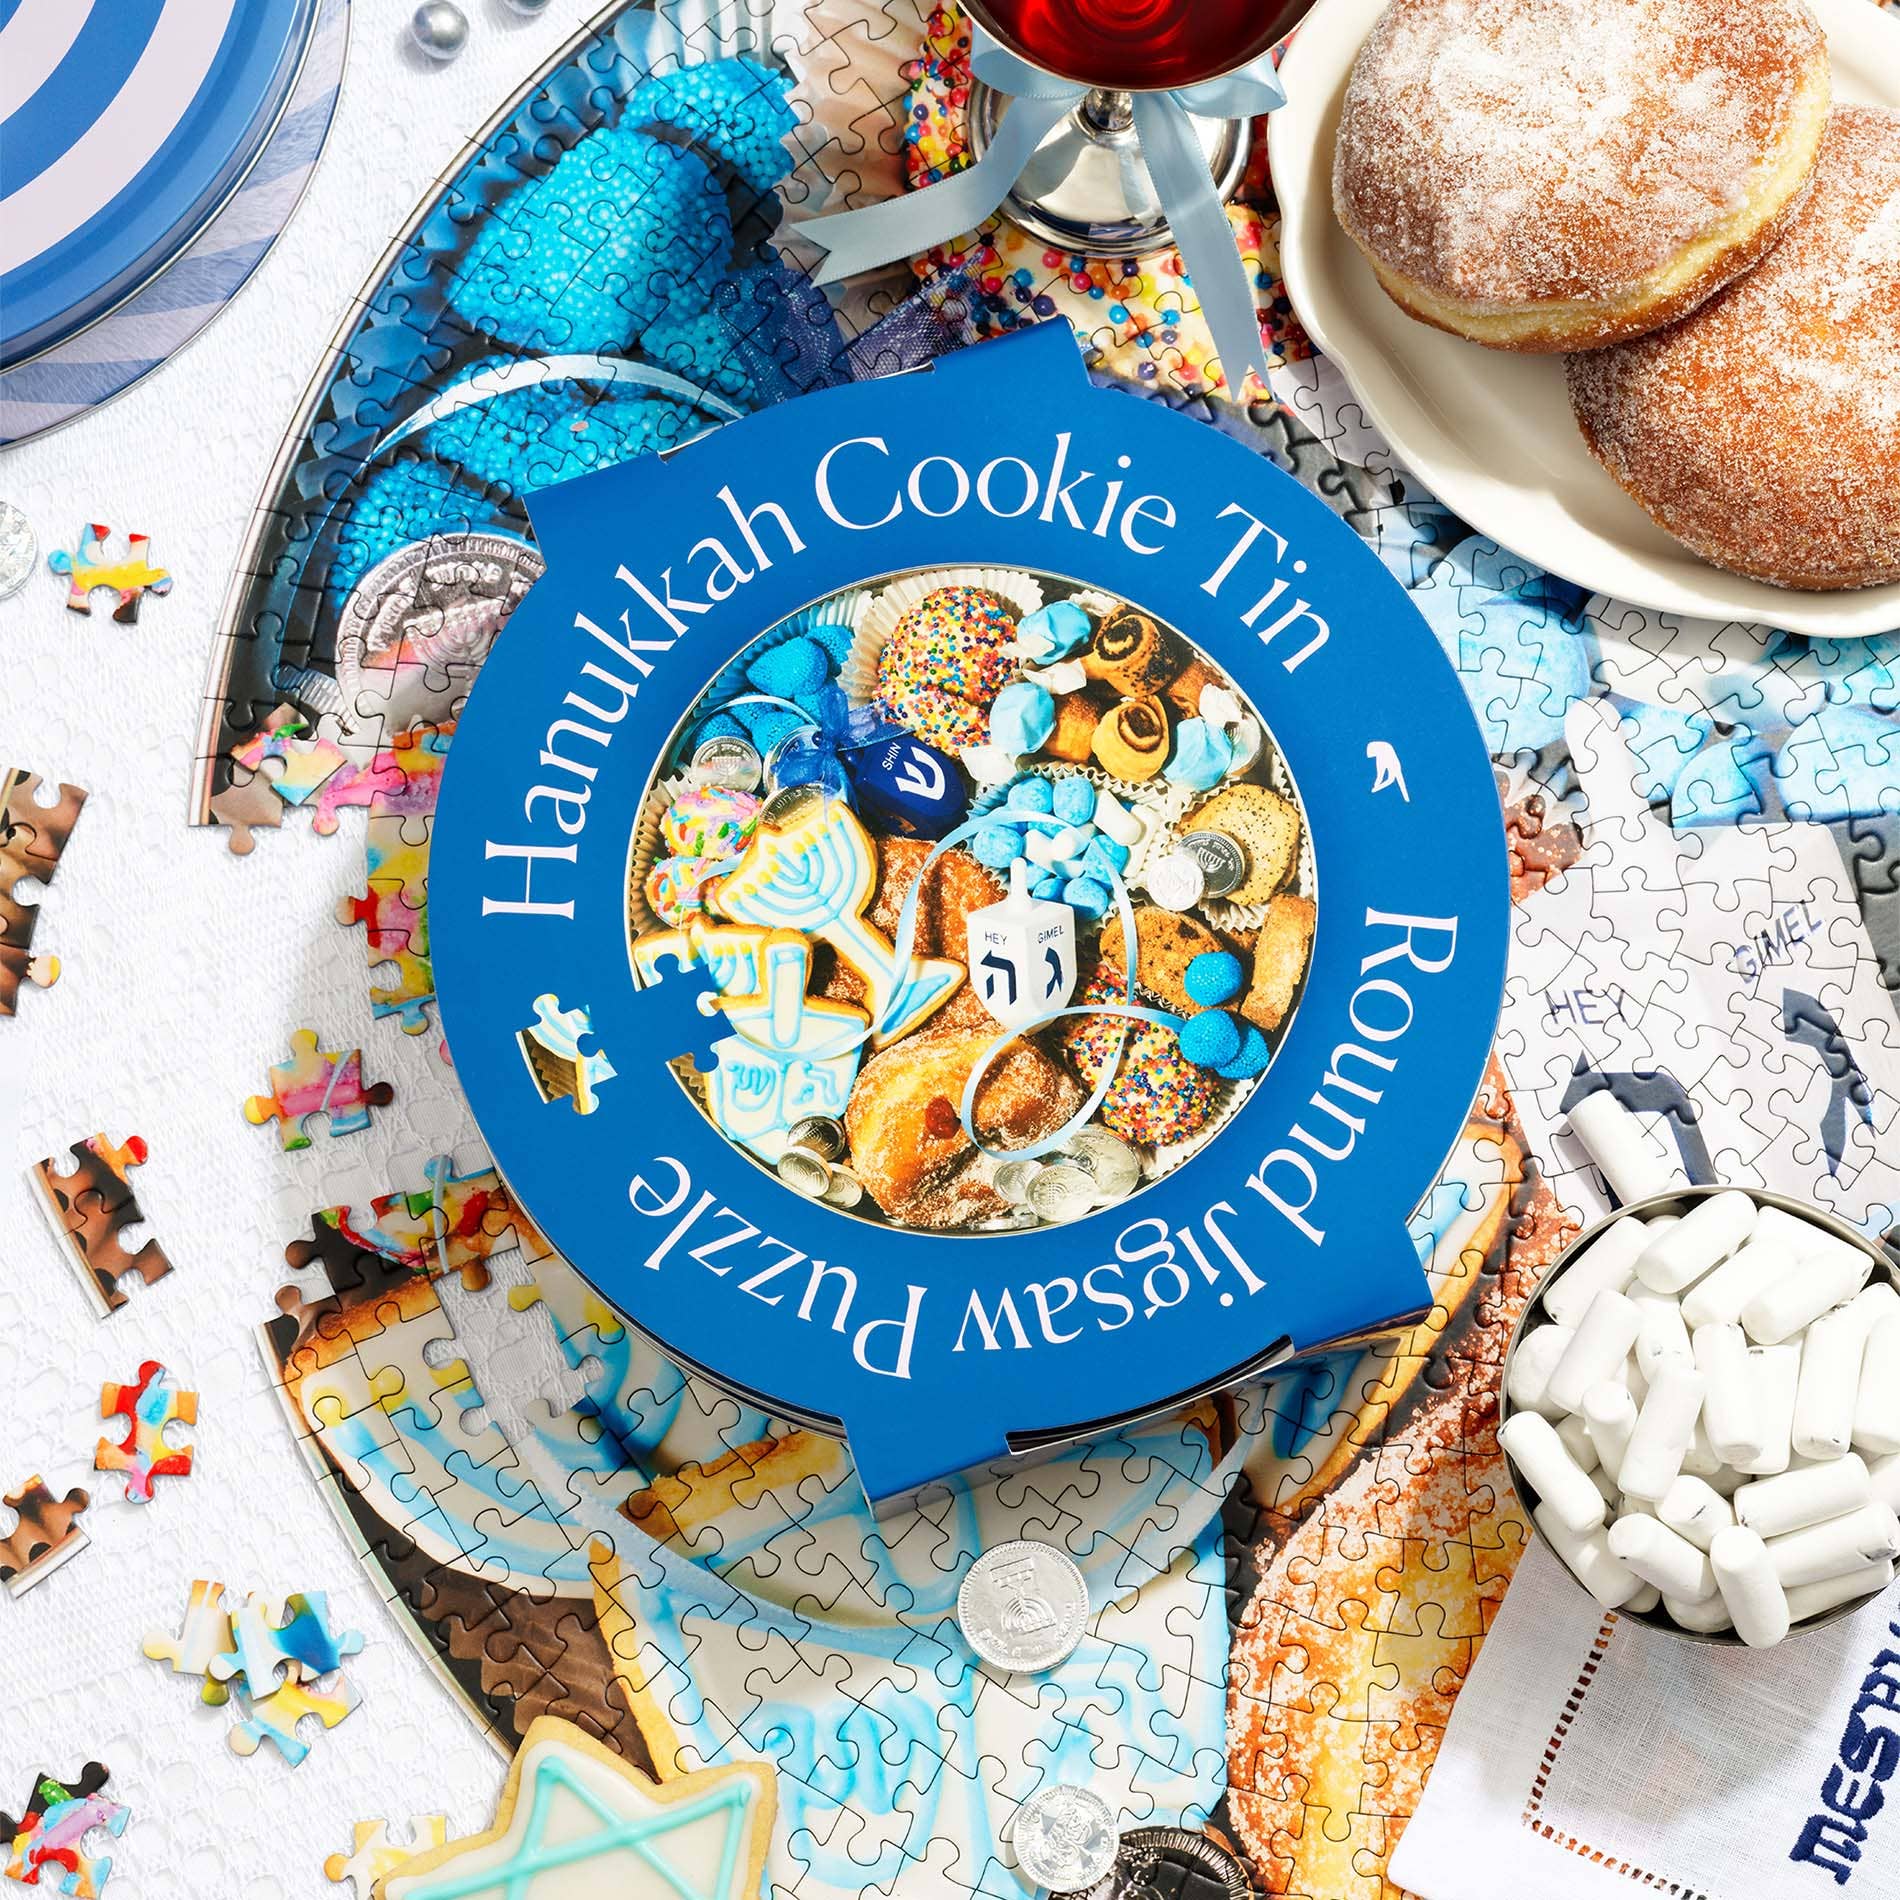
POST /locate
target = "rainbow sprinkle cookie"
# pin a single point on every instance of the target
(709, 821)
(945, 661)
(1158, 1096)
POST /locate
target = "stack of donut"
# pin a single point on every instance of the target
(1660, 188)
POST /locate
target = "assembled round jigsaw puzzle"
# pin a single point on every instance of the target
(974, 961)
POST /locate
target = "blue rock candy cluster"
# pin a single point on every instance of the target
(1074, 858)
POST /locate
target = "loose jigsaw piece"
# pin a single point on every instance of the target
(47, 1534)
(274, 1663)
(149, 1409)
(375, 1856)
(32, 836)
(90, 1207)
(561, 1068)
(316, 1081)
(131, 578)
(205, 1634)
(46, 1842)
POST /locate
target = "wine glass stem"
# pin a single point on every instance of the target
(1109, 111)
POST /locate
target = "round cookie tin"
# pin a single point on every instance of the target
(937, 1351)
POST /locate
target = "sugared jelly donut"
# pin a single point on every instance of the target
(1561, 174)
(1764, 431)
(1158, 1095)
(944, 663)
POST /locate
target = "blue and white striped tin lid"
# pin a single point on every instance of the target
(124, 125)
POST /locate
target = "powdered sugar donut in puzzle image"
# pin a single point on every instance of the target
(1004, 886)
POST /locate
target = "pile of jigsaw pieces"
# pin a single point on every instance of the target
(272, 1655)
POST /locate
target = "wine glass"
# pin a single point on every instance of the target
(1086, 189)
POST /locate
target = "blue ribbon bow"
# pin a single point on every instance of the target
(902, 227)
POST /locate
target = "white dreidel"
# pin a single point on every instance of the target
(1729, 1409)
(1660, 1556)
(1589, 1558)
(1862, 1537)
(1705, 1236)
(1562, 1484)
(1022, 953)
(1664, 1427)
(1877, 1406)
(1772, 1507)
(1608, 1264)
(1745, 1575)
(1601, 1343)
(1636, 1161)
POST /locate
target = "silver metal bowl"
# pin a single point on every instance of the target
(1677, 1201)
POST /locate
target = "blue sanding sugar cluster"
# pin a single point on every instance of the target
(1215, 1038)
(801, 670)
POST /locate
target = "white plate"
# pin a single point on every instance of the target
(1488, 431)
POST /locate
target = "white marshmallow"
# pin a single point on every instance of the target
(1551, 1471)
(1599, 1346)
(1814, 1599)
(1831, 1355)
(1852, 1542)
(1824, 1278)
(1114, 820)
(1607, 1486)
(1636, 1161)
(1575, 1432)
(1653, 1459)
(1634, 1382)
(1708, 1233)
(1722, 1294)
(1883, 1479)
(1532, 1363)
(1588, 1556)
(1700, 1461)
(1745, 1574)
(1608, 1263)
(1610, 1413)
(1708, 1616)
(1877, 1406)
(1693, 1510)
(1775, 1372)
(1660, 1332)
(1721, 1356)
(1645, 1599)
(1772, 1507)
(1657, 1555)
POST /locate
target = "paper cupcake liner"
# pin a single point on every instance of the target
(858, 676)
(646, 850)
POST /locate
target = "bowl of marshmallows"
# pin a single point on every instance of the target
(1701, 1411)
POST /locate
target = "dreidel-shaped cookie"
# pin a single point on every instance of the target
(813, 868)
(1022, 953)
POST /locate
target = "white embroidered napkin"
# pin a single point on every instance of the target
(1589, 1757)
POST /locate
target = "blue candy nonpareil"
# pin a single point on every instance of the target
(1074, 800)
(998, 846)
(1252, 1059)
(1087, 896)
(1031, 793)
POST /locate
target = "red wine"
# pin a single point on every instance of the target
(1136, 44)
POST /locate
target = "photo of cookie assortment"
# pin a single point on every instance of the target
(1672, 192)
(1005, 888)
